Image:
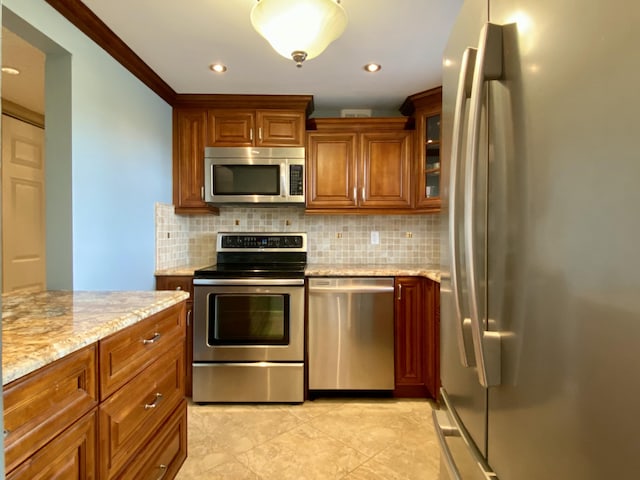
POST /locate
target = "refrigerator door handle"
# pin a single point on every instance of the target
(447, 424)
(444, 429)
(488, 67)
(463, 94)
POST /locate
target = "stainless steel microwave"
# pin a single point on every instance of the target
(236, 175)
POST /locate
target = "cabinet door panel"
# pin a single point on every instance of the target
(71, 455)
(230, 128)
(165, 453)
(131, 415)
(432, 306)
(188, 163)
(172, 282)
(331, 170)
(386, 169)
(40, 405)
(280, 128)
(127, 352)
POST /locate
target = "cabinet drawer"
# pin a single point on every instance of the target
(165, 454)
(128, 352)
(131, 415)
(71, 456)
(175, 282)
(38, 406)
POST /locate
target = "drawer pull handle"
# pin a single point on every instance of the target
(155, 402)
(154, 339)
(178, 287)
(164, 471)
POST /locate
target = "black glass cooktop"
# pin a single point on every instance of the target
(265, 270)
(263, 255)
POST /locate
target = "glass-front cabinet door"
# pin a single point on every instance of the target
(426, 109)
(432, 157)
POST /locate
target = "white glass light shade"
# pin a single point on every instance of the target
(299, 26)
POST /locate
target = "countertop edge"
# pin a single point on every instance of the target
(431, 272)
(32, 357)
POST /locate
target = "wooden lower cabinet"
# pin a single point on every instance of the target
(57, 425)
(132, 415)
(416, 338)
(165, 453)
(184, 283)
(40, 405)
(70, 456)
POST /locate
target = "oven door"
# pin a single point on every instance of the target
(248, 320)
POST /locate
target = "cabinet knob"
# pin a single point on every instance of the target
(178, 287)
(163, 469)
(155, 402)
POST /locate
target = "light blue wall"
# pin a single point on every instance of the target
(120, 162)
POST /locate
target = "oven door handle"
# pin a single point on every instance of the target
(259, 282)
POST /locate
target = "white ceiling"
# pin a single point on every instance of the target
(179, 40)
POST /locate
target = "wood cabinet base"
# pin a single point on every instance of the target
(416, 338)
(71, 455)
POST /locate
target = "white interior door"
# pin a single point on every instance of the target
(23, 208)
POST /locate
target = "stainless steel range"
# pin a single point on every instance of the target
(248, 332)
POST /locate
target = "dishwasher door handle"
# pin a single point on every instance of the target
(351, 289)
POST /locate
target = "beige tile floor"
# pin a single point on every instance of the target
(364, 439)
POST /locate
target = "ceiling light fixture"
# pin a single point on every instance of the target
(10, 70)
(372, 67)
(218, 67)
(299, 29)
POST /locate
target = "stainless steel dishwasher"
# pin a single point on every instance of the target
(351, 333)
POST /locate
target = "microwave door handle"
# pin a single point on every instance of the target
(211, 180)
(283, 180)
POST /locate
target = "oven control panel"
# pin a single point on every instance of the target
(261, 241)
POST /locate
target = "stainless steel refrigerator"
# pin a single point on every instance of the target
(540, 292)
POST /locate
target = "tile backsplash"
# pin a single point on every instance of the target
(333, 239)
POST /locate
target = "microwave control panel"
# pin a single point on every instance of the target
(296, 180)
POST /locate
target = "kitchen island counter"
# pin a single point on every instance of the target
(373, 270)
(41, 327)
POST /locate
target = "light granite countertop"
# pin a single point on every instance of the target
(331, 270)
(181, 271)
(373, 270)
(39, 328)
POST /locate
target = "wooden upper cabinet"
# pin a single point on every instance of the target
(426, 109)
(229, 128)
(189, 130)
(200, 121)
(332, 170)
(280, 128)
(385, 170)
(359, 166)
(261, 128)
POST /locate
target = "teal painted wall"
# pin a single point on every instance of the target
(109, 142)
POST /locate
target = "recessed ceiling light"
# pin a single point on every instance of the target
(218, 67)
(10, 70)
(372, 67)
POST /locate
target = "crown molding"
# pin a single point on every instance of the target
(88, 23)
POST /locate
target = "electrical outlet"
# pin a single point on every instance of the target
(375, 238)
